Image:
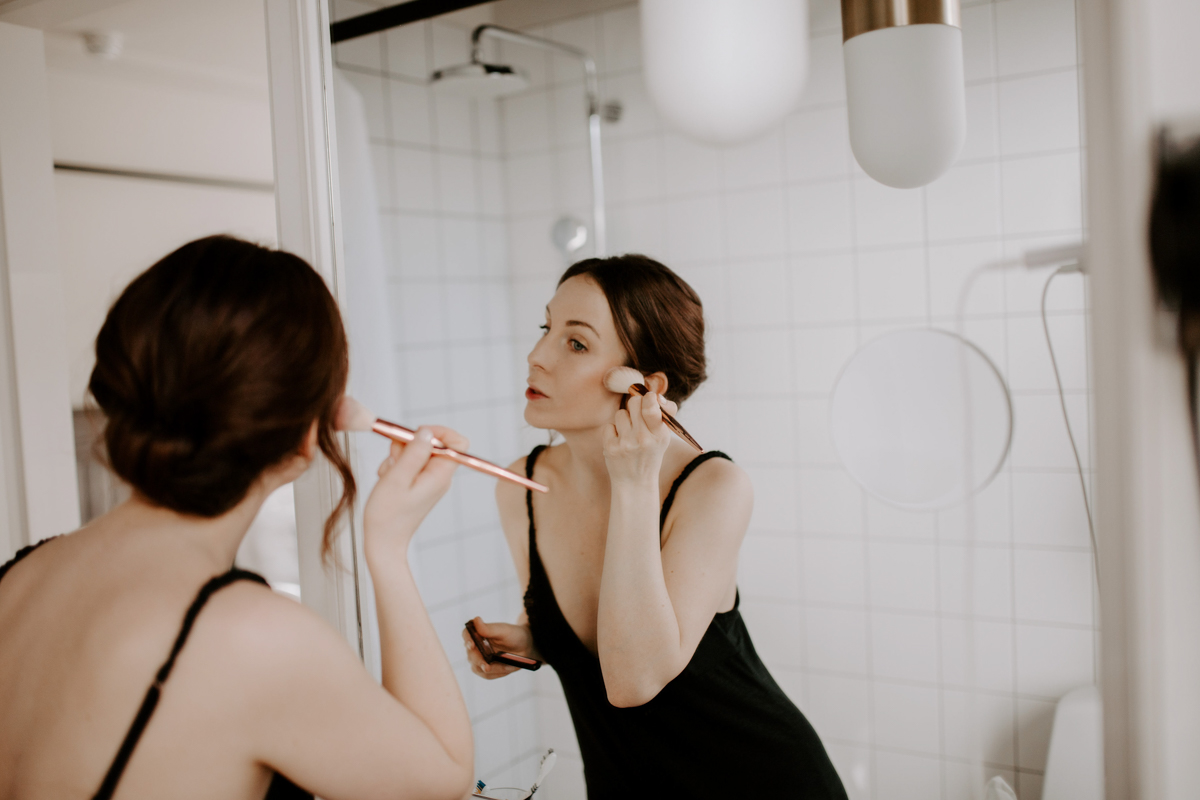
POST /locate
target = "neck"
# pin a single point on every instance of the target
(213, 539)
(585, 457)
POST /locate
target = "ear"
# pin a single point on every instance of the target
(308, 447)
(657, 382)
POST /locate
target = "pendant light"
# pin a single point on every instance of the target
(723, 71)
(905, 89)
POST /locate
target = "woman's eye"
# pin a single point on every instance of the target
(577, 346)
(545, 329)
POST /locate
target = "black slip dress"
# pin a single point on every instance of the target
(280, 789)
(721, 729)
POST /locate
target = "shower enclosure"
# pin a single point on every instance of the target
(858, 608)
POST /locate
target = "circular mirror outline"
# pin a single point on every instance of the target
(1004, 453)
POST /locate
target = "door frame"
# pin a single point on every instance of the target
(300, 63)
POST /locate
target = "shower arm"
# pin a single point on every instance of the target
(592, 87)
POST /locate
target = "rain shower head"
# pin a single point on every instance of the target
(479, 80)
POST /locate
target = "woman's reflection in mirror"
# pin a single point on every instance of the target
(629, 564)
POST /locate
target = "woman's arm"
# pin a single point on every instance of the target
(656, 601)
(415, 668)
(327, 725)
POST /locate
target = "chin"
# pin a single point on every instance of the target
(534, 417)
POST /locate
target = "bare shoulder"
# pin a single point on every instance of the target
(717, 497)
(268, 644)
(510, 498)
(718, 480)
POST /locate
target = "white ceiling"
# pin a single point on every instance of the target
(212, 37)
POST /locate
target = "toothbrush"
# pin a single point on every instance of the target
(547, 765)
(627, 380)
(354, 416)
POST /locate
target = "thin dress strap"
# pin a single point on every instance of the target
(150, 702)
(24, 551)
(530, 460)
(688, 470)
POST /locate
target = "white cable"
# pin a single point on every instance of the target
(1062, 401)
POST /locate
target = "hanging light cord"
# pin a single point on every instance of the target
(1062, 401)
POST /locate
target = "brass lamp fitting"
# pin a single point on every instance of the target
(864, 16)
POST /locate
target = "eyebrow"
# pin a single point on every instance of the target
(582, 324)
(575, 322)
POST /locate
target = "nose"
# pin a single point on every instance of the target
(536, 357)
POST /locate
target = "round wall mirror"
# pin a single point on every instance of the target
(907, 409)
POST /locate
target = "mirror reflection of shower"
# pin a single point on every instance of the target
(483, 80)
(569, 235)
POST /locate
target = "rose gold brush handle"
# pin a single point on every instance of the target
(671, 422)
(404, 435)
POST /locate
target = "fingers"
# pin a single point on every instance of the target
(416, 454)
(622, 422)
(390, 461)
(451, 438)
(669, 406)
(652, 411)
(478, 665)
(610, 436)
(645, 415)
(412, 458)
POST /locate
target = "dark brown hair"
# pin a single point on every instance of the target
(211, 367)
(658, 316)
(1174, 238)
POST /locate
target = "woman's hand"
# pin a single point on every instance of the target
(506, 638)
(411, 481)
(636, 441)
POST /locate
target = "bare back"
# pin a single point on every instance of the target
(85, 621)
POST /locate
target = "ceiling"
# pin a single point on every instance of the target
(217, 38)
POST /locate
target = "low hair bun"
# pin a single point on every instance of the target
(211, 367)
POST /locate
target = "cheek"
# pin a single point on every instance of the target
(587, 394)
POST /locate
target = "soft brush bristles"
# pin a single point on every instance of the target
(619, 379)
(353, 416)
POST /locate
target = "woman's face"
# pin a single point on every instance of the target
(567, 366)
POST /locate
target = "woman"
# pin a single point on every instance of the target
(220, 370)
(630, 561)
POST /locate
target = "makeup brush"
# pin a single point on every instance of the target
(354, 416)
(627, 380)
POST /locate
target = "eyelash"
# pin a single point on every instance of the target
(582, 348)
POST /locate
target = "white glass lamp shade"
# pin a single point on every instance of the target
(723, 71)
(907, 102)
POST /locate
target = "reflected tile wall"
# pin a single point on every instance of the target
(858, 608)
(441, 186)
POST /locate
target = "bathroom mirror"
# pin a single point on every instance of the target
(827, 382)
(921, 418)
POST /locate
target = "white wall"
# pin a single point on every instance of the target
(148, 114)
(800, 260)
(111, 229)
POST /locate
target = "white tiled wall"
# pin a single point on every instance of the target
(800, 259)
(442, 213)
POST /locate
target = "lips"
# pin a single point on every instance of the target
(533, 394)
